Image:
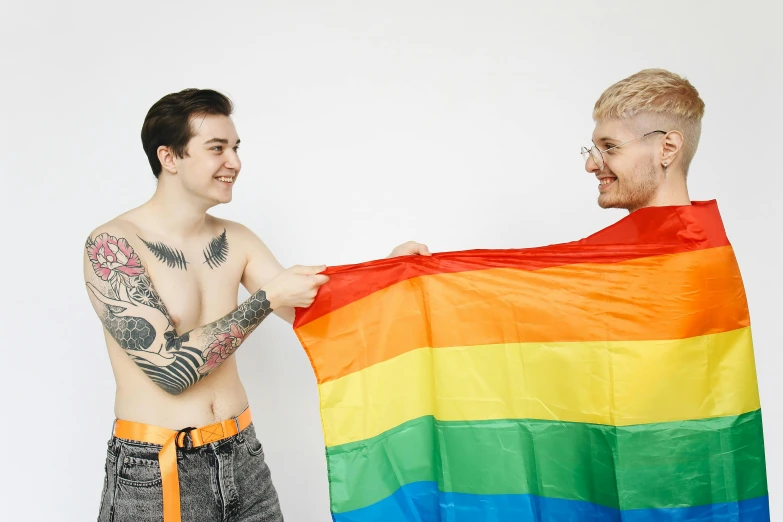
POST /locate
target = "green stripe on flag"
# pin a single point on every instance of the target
(672, 464)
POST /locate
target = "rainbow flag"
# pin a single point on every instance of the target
(607, 379)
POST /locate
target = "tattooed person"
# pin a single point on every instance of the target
(163, 279)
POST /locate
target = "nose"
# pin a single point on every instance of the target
(591, 166)
(233, 162)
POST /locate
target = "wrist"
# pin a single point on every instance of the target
(271, 298)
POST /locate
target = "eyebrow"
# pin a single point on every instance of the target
(607, 138)
(219, 140)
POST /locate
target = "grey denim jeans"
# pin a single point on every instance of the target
(224, 481)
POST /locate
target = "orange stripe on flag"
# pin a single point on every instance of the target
(655, 298)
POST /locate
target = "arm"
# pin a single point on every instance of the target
(134, 315)
(262, 267)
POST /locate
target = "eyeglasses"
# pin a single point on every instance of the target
(597, 154)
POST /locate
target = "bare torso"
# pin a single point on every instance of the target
(168, 306)
(193, 296)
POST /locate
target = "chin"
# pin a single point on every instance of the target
(608, 203)
(222, 196)
(217, 199)
(630, 206)
(614, 203)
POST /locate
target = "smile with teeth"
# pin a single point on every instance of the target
(225, 179)
(605, 181)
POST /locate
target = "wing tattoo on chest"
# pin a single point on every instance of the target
(215, 253)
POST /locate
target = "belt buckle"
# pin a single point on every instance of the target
(179, 438)
(212, 433)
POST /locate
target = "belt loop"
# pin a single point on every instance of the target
(239, 432)
(113, 431)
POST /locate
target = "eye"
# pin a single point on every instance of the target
(218, 148)
(236, 149)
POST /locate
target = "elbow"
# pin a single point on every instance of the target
(174, 375)
(172, 389)
(172, 383)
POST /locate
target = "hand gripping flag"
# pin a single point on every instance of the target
(607, 379)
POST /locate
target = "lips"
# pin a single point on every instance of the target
(225, 179)
(605, 182)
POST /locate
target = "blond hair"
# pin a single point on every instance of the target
(668, 98)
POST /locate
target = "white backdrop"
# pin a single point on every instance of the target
(364, 124)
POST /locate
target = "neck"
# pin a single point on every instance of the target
(672, 192)
(179, 211)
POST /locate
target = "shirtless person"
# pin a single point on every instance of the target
(184, 447)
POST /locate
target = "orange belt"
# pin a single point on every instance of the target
(171, 440)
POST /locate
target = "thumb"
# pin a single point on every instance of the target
(311, 270)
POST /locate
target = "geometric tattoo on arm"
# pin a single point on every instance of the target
(227, 333)
(135, 316)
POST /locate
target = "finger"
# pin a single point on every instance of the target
(320, 279)
(306, 301)
(413, 247)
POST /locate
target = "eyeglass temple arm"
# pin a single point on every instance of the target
(588, 151)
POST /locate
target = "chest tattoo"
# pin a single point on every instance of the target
(215, 253)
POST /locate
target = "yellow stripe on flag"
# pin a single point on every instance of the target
(604, 382)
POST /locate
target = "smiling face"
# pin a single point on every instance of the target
(651, 121)
(211, 164)
(629, 178)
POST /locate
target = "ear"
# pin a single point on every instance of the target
(672, 145)
(166, 158)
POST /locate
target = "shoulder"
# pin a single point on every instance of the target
(237, 233)
(116, 226)
(117, 239)
(260, 263)
(119, 231)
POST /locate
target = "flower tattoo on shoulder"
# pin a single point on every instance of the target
(113, 257)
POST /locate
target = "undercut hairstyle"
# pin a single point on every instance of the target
(670, 100)
(168, 121)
